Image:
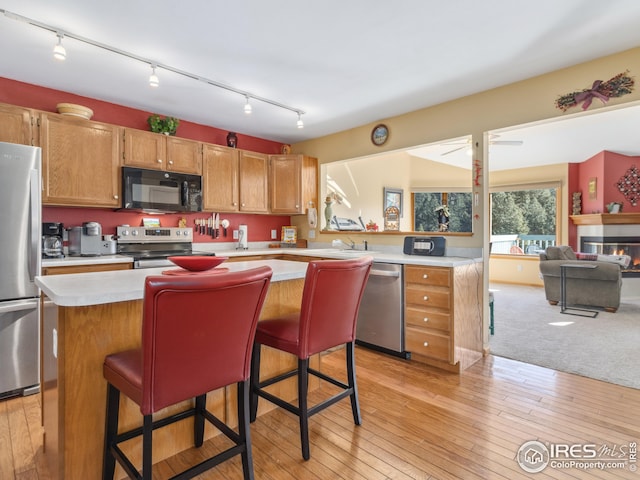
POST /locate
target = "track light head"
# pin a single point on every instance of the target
(300, 123)
(59, 52)
(247, 106)
(154, 81)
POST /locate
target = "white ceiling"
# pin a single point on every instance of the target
(345, 63)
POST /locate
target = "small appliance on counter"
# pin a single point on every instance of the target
(86, 241)
(432, 246)
(52, 240)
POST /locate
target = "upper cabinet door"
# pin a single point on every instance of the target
(254, 173)
(80, 162)
(220, 178)
(144, 149)
(161, 152)
(184, 155)
(292, 183)
(17, 125)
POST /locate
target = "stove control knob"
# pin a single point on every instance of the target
(186, 233)
(124, 233)
(134, 232)
(178, 233)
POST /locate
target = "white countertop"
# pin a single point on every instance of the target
(378, 256)
(83, 289)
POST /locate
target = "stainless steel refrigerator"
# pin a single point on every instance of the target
(20, 253)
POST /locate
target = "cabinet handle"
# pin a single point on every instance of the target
(426, 344)
(159, 160)
(425, 319)
(243, 204)
(425, 298)
(235, 204)
(115, 197)
(170, 162)
(426, 275)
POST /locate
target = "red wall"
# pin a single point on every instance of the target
(41, 98)
(606, 168)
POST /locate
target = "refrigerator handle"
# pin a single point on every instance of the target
(18, 305)
(34, 226)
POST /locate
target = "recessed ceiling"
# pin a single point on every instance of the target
(344, 63)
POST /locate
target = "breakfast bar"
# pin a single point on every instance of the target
(90, 315)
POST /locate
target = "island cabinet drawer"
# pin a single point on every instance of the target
(428, 344)
(429, 319)
(428, 297)
(439, 276)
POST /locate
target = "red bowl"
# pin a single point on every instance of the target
(197, 263)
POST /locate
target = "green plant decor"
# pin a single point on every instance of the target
(166, 125)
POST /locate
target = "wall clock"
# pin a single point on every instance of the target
(379, 134)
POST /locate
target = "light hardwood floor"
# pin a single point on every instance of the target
(418, 423)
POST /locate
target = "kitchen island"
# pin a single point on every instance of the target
(95, 314)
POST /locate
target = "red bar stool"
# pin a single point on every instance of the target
(197, 336)
(327, 318)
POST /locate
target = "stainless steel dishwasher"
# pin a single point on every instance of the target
(381, 318)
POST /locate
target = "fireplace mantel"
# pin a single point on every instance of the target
(607, 219)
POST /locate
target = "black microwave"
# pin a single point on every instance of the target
(155, 191)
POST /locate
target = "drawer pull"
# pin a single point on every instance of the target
(426, 275)
(426, 344)
(425, 298)
(425, 319)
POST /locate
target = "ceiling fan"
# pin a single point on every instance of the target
(492, 141)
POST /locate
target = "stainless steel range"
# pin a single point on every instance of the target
(150, 247)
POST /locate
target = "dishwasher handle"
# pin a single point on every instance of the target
(384, 273)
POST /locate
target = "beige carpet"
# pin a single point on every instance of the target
(530, 330)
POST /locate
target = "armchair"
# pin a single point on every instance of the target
(599, 287)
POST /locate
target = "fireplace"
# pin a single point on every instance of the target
(615, 246)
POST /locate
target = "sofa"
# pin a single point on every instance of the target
(597, 287)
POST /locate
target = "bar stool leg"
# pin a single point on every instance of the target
(198, 421)
(303, 383)
(111, 430)
(351, 375)
(255, 380)
(147, 447)
(244, 389)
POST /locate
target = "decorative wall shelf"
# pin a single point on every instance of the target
(606, 219)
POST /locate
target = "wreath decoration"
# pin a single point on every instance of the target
(621, 84)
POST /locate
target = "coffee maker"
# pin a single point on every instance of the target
(52, 240)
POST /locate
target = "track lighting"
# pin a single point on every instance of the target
(154, 81)
(59, 52)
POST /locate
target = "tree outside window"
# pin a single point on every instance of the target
(525, 218)
(425, 217)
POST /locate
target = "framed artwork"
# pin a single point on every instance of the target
(593, 188)
(392, 198)
(289, 234)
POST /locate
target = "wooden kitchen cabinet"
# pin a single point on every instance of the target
(80, 162)
(18, 125)
(253, 177)
(293, 183)
(220, 178)
(161, 152)
(443, 321)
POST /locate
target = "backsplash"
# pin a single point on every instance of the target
(260, 226)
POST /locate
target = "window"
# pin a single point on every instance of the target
(524, 218)
(425, 217)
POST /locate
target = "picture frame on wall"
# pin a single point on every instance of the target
(593, 188)
(392, 197)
